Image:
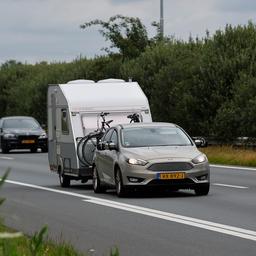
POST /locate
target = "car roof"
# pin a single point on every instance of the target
(152, 124)
(17, 117)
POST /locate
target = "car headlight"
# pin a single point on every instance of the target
(9, 136)
(199, 159)
(134, 161)
(43, 136)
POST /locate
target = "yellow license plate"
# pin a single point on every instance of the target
(28, 141)
(172, 176)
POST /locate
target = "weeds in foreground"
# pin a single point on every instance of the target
(114, 252)
(36, 242)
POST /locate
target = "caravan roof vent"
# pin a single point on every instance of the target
(111, 80)
(81, 81)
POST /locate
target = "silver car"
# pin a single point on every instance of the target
(143, 155)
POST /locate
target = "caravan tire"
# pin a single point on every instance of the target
(64, 180)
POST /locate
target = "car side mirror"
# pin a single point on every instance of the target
(43, 126)
(112, 146)
(101, 145)
(198, 143)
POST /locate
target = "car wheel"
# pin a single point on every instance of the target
(97, 186)
(202, 190)
(64, 180)
(5, 149)
(120, 189)
(33, 149)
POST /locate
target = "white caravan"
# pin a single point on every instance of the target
(73, 112)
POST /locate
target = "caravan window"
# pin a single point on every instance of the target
(64, 121)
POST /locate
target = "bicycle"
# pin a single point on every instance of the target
(90, 141)
(135, 118)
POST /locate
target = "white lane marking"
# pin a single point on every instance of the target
(233, 167)
(229, 186)
(225, 229)
(6, 158)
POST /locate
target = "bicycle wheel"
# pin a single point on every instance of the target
(88, 148)
(80, 150)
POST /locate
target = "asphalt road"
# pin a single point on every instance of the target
(222, 223)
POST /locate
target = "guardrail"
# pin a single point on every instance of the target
(245, 142)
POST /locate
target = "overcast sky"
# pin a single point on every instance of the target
(35, 30)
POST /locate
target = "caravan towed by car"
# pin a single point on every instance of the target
(74, 111)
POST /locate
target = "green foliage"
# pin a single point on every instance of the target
(127, 34)
(207, 86)
(36, 242)
(114, 252)
(21, 247)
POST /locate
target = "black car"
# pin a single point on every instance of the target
(22, 132)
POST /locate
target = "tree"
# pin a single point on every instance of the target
(127, 34)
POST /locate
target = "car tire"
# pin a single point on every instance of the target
(120, 189)
(33, 149)
(5, 149)
(64, 180)
(97, 186)
(202, 190)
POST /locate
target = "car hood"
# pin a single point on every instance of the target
(20, 131)
(163, 152)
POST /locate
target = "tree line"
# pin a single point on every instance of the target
(207, 86)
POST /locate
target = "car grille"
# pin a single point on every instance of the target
(170, 167)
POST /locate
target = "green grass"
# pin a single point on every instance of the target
(34, 246)
(230, 156)
(38, 245)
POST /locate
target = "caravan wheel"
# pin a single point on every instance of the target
(64, 180)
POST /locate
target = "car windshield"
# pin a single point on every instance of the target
(154, 136)
(20, 124)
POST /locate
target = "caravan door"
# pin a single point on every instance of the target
(52, 153)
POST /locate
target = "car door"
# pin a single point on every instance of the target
(101, 157)
(110, 158)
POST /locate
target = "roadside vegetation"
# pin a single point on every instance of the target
(229, 155)
(38, 245)
(34, 246)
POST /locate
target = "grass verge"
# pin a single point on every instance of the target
(37, 245)
(230, 156)
(34, 246)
